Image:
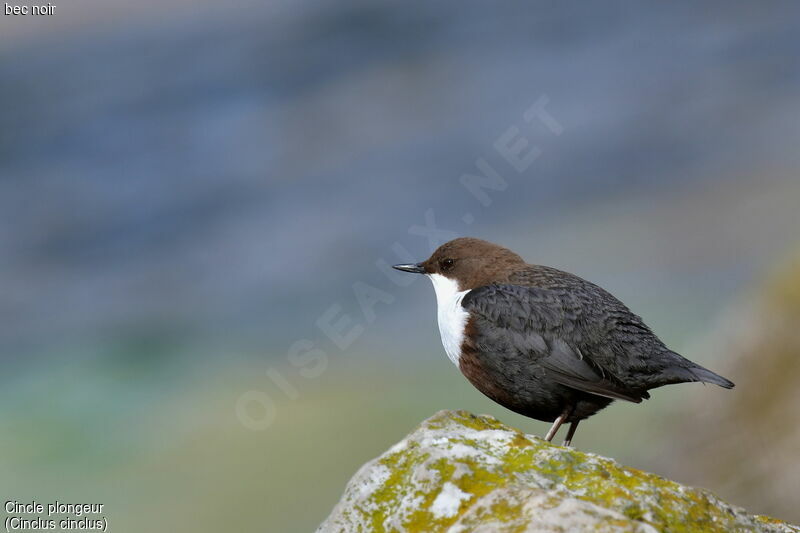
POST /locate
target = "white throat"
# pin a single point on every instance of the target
(452, 317)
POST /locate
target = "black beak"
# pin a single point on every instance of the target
(414, 269)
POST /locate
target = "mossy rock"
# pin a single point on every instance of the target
(458, 472)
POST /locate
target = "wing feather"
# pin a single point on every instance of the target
(546, 325)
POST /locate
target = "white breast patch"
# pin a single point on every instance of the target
(452, 317)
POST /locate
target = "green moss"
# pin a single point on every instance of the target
(520, 440)
(419, 470)
(505, 512)
(465, 419)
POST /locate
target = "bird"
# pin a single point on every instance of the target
(542, 342)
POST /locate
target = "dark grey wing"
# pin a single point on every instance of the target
(545, 325)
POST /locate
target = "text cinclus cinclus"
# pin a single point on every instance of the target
(541, 342)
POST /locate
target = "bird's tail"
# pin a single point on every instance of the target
(686, 370)
(707, 376)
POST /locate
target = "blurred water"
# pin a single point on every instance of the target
(189, 172)
(185, 188)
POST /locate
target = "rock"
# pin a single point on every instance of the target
(458, 472)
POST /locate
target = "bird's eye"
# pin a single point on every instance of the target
(446, 264)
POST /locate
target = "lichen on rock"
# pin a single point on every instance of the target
(461, 473)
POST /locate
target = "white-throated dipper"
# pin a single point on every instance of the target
(545, 343)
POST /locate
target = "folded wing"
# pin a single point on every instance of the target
(547, 326)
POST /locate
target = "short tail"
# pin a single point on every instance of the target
(685, 370)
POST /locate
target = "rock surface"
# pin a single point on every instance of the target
(458, 472)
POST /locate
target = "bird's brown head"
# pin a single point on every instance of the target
(472, 262)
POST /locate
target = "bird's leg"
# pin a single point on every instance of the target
(571, 433)
(556, 424)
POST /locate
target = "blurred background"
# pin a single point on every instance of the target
(188, 189)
